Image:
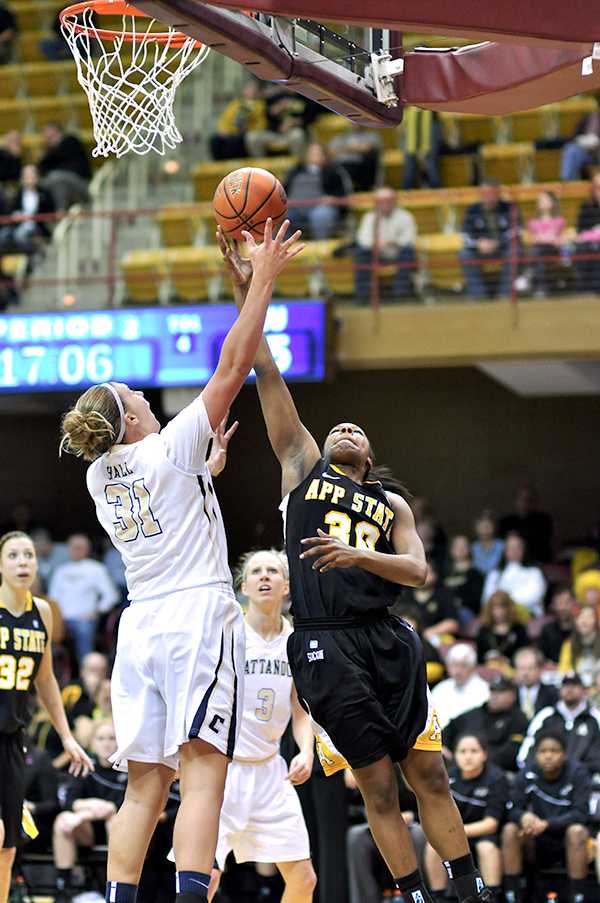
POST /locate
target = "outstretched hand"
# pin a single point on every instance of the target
(240, 268)
(80, 763)
(329, 552)
(269, 258)
(218, 453)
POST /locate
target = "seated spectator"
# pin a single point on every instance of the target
(583, 148)
(547, 231)
(487, 549)
(491, 229)
(533, 525)
(357, 149)
(581, 652)
(55, 46)
(41, 795)
(501, 632)
(8, 33)
(517, 576)
(547, 813)
(588, 241)
(438, 611)
(587, 579)
(11, 157)
(84, 590)
(316, 180)
(433, 660)
(556, 631)
(480, 791)
(533, 694)
(385, 235)
(499, 722)
(27, 235)
(462, 578)
(49, 553)
(65, 167)
(244, 114)
(102, 711)
(422, 142)
(431, 534)
(464, 689)
(574, 716)
(91, 804)
(288, 115)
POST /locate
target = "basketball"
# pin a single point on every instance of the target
(246, 198)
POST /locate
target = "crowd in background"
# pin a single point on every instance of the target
(510, 628)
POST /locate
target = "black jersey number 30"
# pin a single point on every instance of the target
(340, 526)
(15, 674)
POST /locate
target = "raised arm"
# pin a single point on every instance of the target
(242, 341)
(294, 447)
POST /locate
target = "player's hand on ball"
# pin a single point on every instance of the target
(218, 453)
(269, 258)
(300, 768)
(329, 552)
(80, 764)
(240, 269)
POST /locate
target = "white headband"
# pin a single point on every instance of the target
(117, 398)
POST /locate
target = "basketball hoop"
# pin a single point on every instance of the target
(131, 90)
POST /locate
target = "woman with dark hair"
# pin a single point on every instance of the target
(581, 652)
(501, 633)
(516, 574)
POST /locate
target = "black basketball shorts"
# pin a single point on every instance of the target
(365, 688)
(12, 786)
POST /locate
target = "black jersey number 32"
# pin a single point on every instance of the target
(340, 526)
(15, 674)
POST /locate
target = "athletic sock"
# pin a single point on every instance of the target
(64, 878)
(412, 888)
(191, 886)
(119, 892)
(513, 888)
(466, 880)
(578, 886)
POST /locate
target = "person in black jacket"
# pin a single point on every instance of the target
(31, 200)
(480, 790)
(41, 795)
(463, 580)
(490, 230)
(560, 628)
(501, 634)
(533, 694)
(547, 816)
(65, 167)
(11, 157)
(588, 240)
(90, 805)
(316, 180)
(572, 715)
(499, 722)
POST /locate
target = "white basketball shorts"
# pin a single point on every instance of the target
(178, 675)
(261, 818)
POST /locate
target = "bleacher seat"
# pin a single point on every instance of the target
(570, 112)
(42, 79)
(438, 256)
(28, 44)
(508, 163)
(35, 15)
(143, 272)
(469, 128)
(195, 273)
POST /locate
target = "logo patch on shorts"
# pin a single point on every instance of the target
(418, 896)
(319, 655)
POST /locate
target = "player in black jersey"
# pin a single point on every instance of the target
(25, 661)
(351, 540)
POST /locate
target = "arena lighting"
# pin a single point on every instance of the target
(150, 347)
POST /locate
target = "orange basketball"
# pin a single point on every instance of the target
(245, 199)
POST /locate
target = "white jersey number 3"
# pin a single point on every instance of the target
(129, 521)
(266, 698)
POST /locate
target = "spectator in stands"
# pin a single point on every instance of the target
(464, 689)
(556, 631)
(487, 549)
(547, 813)
(573, 715)
(480, 790)
(491, 233)
(91, 804)
(357, 150)
(288, 115)
(423, 137)
(433, 660)
(581, 651)
(501, 633)
(533, 525)
(461, 578)
(587, 581)
(326, 185)
(499, 722)
(50, 554)
(437, 607)
(385, 235)
(583, 148)
(521, 579)
(55, 47)
(11, 157)
(26, 235)
(533, 694)
(588, 240)
(547, 232)
(431, 534)
(41, 795)
(65, 167)
(244, 114)
(8, 33)
(84, 590)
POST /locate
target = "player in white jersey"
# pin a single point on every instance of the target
(178, 672)
(261, 818)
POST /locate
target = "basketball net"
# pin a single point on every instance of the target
(130, 75)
